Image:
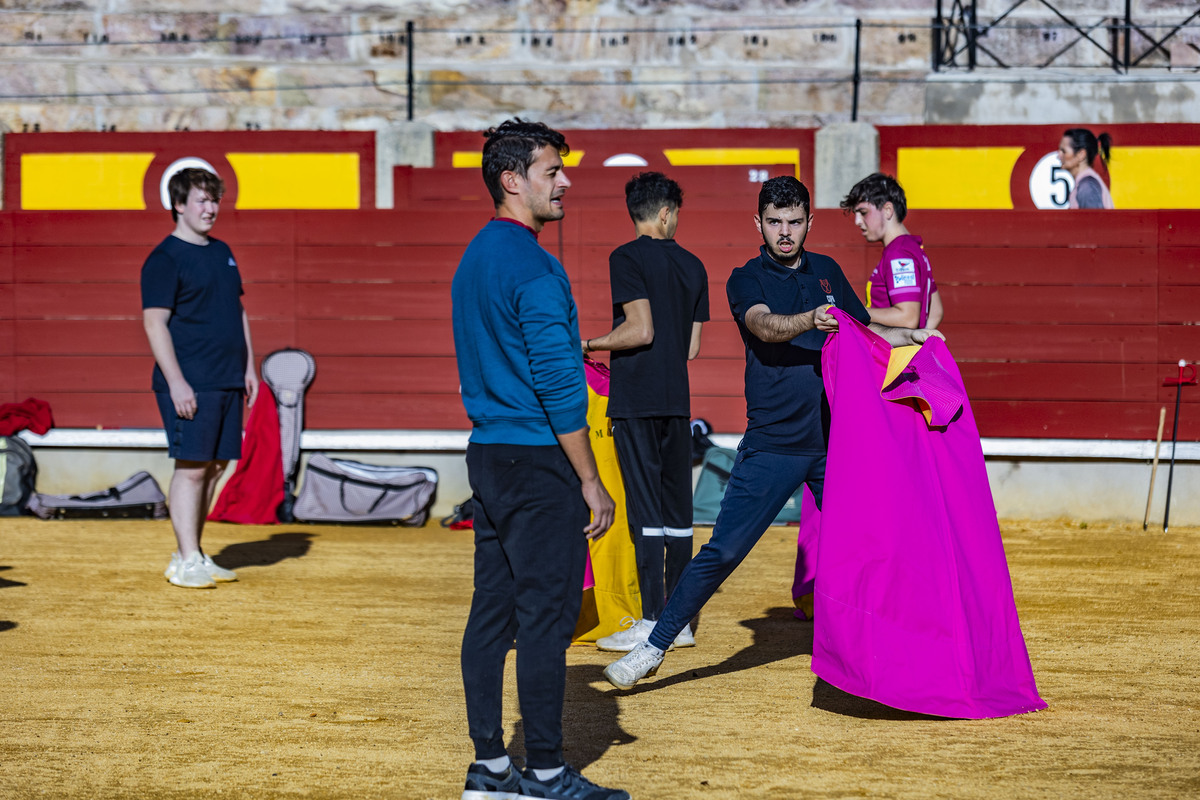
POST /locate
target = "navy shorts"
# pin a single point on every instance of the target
(213, 434)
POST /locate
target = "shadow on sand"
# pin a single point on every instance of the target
(591, 719)
(279, 547)
(777, 636)
(5, 583)
(828, 697)
(7, 624)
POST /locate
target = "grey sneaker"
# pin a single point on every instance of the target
(191, 573)
(222, 575)
(685, 638)
(483, 784)
(566, 785)
(639, 630)
(640, 662)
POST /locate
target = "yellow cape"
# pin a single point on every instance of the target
(614, 566)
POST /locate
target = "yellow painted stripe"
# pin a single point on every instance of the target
(957, 177)
(733, 156)
(1155, 177)
(296, 180)
(83, 181)
(474, 158)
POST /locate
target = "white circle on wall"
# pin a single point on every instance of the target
(187, 162)
(626, 160)
(1049, 183)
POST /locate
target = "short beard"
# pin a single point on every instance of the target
(778, 257)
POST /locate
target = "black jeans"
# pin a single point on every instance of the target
(530, 552)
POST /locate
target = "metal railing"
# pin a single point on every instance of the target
(1126, 44)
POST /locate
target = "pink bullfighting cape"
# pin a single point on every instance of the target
(913, 602)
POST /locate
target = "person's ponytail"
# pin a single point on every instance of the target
(1105, 142)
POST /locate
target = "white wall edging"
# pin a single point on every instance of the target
(452, 440)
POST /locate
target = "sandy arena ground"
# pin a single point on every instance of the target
(331, 671)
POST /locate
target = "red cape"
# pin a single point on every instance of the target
(255, 489)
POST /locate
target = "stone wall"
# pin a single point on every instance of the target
(161, 65)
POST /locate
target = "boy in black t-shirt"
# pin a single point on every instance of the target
(660, 300)
(200, 336)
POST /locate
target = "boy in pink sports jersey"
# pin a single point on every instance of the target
(901, 291)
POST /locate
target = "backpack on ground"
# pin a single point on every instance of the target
(701, 444)
(136, 497)
(710, 490)
(18, 475)
(337, 490)
(289, 373)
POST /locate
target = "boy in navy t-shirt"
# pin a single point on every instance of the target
(200, 336)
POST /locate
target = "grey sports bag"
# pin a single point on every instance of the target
(336, 490)
(136, 497)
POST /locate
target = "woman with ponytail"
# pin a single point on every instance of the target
(1077, 151)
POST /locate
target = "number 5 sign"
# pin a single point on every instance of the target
(1049, 183)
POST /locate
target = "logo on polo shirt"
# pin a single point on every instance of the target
(232, 263)
(904, 272)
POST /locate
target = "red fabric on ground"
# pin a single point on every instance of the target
(255, 489)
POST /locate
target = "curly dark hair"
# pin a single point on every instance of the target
(877, 189)
(783, 191)
(512, 146)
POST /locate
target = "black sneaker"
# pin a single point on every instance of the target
(566, 785)
(483, 784)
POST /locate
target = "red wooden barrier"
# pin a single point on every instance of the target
(1064, 324)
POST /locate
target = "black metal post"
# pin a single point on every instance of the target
(937, 38)
(857, 68)
(1171, 470)
(1128, 29)
(971, 33)
(1114, 43)
(408, 38)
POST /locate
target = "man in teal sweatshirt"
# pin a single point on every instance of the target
(533, 478)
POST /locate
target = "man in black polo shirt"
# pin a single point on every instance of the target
(660, 301)
(780, 301)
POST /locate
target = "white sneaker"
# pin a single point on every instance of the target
(191, 573)
(222, 575)
(685, 638)
(215, 570)
(640, 662)
(624, 641)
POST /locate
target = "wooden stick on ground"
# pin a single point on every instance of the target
(1162, 417)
